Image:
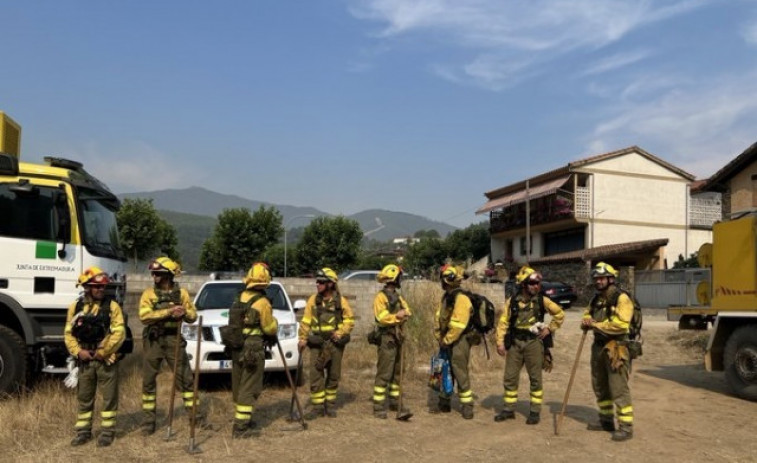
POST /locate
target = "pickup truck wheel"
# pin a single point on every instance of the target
(13, 362)
(740, 359)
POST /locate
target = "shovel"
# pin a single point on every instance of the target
(169, 430)
(292, 415)
(193, 448)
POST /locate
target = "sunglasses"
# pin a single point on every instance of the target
(533, 283)
(321, 282)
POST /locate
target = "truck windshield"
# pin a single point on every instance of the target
(98, 224)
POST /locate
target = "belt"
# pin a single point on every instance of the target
(524, 335)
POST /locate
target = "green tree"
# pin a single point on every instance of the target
(143, 232)
(329, 242)
(691, 262)
(472, 242)
(241, 238)
(425, 256)
(420, 234)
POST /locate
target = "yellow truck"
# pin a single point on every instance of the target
(729, 302)
(55, 221)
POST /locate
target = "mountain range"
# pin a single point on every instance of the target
(193, 211)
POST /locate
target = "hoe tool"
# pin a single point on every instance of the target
(570, 383)
(169, 431)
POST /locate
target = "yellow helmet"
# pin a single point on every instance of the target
(603, 270)
(451, 274)
(527, 273)
(164, 264)
(93, 275)
(389, 274)
(258, 275)
(326, 274)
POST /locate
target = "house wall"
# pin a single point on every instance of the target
(743, 195)
(635, 199)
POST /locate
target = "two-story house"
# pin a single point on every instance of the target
(627, 206)
(737, 182)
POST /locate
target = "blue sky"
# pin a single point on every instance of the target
(345, 105)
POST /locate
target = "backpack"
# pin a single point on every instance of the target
(101, 321)
(482, 317)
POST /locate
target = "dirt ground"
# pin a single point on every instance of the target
(682, 413)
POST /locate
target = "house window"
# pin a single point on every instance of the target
(564, 241)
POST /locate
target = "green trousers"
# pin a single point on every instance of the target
(459, 358)
(387, 380)
(92, 375)
(611, 388)
(325, 383)
(247, 368)
(154, 353)
(528, 352)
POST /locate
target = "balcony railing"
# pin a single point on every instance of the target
(546, 209)
(703, 212)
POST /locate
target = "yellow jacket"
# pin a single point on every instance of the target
(619, 320)
(150, 313)
(327, 321)
(457, 319)
(268, 323)
(110, 343)
(382, 310)
(528, 315)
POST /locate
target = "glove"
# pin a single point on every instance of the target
(537, 327)
(72, 379)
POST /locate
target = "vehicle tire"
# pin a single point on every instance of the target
(740, 361)
(13, 362)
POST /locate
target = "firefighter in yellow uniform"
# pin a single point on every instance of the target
(259, 327)
(325, 329)
(452, 331)
(390, 312)
(524, 339)
(93, 334)
(162, 308)
(610, 359)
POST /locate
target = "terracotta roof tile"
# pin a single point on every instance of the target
(604, 252)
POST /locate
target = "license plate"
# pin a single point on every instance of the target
(225, 364)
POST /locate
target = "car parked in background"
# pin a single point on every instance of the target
(213, 301)
(359, 275)
(561, 293)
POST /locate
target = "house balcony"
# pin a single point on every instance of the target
(557, 207)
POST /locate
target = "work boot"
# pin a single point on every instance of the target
(607, 426)
(467, 411)
(393, 405)
(148, 429)
(622, 434)
(404, 414)
(329, 409)
(241, 431)
(444, 405)
(533, 418)
(380, 414)
(504, 415)
(106, 438)
(314, 412)
(81, 438)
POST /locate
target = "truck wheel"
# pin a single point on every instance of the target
(12, 361)
(740, 358)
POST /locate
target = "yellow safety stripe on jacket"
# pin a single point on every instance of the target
(110, 343)
(252, 332)
(618, 322)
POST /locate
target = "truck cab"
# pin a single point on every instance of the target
(57, 221)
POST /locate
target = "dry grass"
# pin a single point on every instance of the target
(39, 425)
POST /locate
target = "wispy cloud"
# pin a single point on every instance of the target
(749, 32)
(134, 166)
(616, 61)
(698, 126)
(498, 33)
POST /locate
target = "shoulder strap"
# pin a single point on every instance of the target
(542, 309)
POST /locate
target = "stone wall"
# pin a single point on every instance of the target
(359, 294)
